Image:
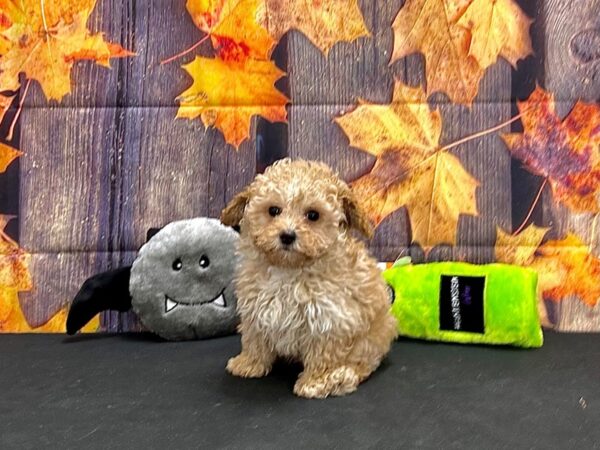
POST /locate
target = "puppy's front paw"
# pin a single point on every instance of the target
(311, 389)
(340, 381)
(243, 366)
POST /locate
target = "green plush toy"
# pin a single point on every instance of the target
(466, 303)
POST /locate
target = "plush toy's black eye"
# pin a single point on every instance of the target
(177, 265)
(312, 215)
(274, 211)
(204, 261)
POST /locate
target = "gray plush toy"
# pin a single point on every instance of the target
(179, 285)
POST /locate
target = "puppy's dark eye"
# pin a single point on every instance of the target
(312, 215)
(274, 211)
(177, 265)
(204, 261)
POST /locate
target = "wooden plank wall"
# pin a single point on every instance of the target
(111, 161)
(66, 183)
(571, 70)
(324, 87)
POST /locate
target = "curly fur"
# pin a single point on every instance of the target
(320, 301)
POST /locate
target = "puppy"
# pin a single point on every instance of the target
(307, 290)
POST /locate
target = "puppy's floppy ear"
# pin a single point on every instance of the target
(356, 217)
(234, 211)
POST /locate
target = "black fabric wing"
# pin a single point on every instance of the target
(104, 291)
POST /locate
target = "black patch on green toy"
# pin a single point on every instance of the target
(461, 303)
(392, 294)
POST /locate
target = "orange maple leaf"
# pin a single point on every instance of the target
(43, 41)
(566, 152)
(7, 155)
(520, 249)
(566, 268)
(15, 278)
(233, 27)
(459, 39)
(226, 94)
(324, 22)
(411, 170)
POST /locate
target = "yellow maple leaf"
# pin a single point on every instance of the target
(7, 155)
(15, 278)
(324, 22)
(35, 13)
(45, 39)
(428, 26)
(459, 39)
(233, 26)
(518, 249)
(226, 94)
(411, 170)
(406, 121)
(566, 267)
(497, 28)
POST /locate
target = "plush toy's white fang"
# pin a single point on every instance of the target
(179, 285)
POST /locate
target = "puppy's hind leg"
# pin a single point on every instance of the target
(255, 360)
(367, 353)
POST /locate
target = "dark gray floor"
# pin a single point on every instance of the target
(107, 391)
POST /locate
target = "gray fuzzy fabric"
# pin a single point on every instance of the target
(192, 302)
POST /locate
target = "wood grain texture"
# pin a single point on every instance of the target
(174, 169)
(572, 46)
(325, 87)
(485, 158)
(568, 75)
(271, 139)
(67, 174)
(65, 195)
(322, 88)
(112, 161)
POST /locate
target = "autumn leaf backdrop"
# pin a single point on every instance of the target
(457, 122)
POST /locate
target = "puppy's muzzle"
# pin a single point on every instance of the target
(287, 237)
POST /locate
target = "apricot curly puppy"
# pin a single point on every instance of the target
(307, 290)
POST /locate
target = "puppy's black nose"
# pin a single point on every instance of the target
(287, 237)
